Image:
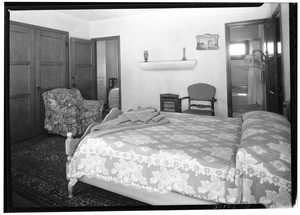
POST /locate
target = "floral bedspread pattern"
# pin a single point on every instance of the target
(193, 155)
(223, 160)
(264, 159)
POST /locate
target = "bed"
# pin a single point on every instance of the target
(113, 98)
(178, 159)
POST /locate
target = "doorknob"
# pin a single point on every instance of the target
(38, 89)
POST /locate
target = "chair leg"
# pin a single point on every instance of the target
(212, 109)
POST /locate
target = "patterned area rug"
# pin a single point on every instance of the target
(38, 174)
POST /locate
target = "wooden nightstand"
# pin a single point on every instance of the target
(170, 103)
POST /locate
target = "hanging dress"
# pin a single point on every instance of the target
(255, 86)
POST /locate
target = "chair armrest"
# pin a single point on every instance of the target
(213, 100)
(93, 105)
(186, 97)
(178, 100)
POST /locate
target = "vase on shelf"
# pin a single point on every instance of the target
(146, 54)
(184, 58)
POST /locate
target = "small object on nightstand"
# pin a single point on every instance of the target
(169, 103)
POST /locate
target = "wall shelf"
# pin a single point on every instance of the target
(168, 65)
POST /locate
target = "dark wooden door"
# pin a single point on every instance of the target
(274, 91)
(38, 62)
(82, 67)
(51, 65)
(22, 83)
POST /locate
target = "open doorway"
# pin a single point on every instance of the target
(108, 72)
(256, 87)
(247, 85)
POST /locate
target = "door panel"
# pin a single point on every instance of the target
(84, 74)
(52, 47)
(273, 68)
(38, 62)
(51, 77)
(82, 64)
(51, 68)
(20, 76)
(22, 82)
(83, 52)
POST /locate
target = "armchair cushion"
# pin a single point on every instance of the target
(66, 111)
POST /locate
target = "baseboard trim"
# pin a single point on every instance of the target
(27, 142)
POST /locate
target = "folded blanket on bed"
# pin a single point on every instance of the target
(143, 117)
(143, 114)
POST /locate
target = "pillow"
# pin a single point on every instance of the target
(264, 123)
(250, 114)
(258, 115)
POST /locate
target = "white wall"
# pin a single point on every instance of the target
(164, 34)
(112, 59)
(286, 51)
(55, 20)
(101, 71)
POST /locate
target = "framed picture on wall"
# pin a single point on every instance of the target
(207, 42)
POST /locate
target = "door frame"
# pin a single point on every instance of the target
(228, 26)
(279, 67)
(119, 61)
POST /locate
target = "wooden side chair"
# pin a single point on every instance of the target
(200, 92)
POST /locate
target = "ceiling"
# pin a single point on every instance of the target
(103, 14)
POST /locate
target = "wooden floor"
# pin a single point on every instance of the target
(240, 101)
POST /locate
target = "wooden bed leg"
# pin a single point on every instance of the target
(72, 182)
(70, 145)
(70, 190)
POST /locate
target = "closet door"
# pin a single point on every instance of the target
(51, 67)
(22, 83)
(82, 67)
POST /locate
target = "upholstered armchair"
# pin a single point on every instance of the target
(66, 111)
